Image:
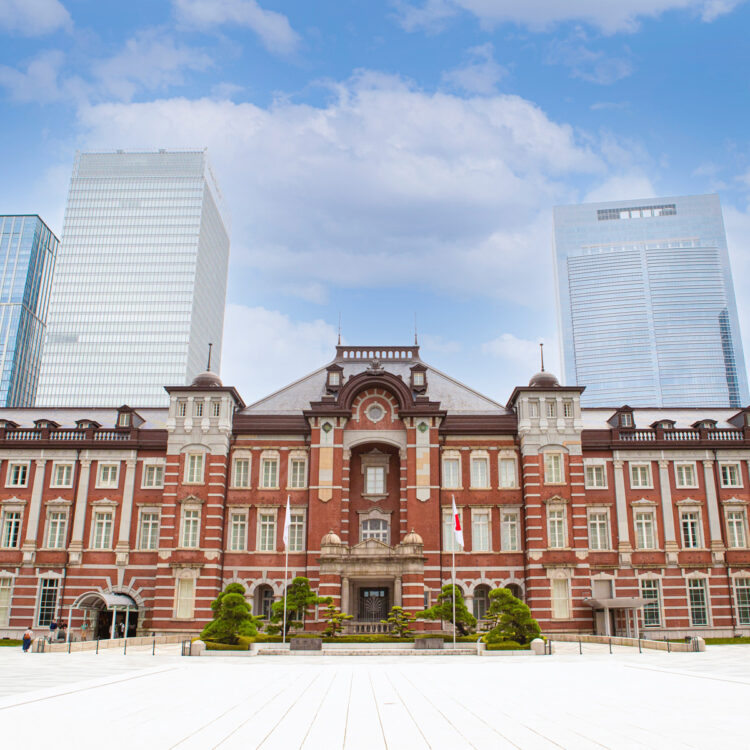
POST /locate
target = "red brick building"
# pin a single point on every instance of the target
(588, 515)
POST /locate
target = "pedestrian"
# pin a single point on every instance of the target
(27, 638)
(121, 628)
(52, 629)
(84, 629)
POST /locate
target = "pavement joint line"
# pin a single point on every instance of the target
(317, 710)
(407, 709)
(88, 687)
(687, 674)
(377, 709)
(348, 704)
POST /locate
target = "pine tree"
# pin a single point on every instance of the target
(400, 621)
(511, 619)
(299, 598)
(443, 610)
(232, 617)
(334, 619)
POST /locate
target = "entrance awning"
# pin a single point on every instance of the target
(617, 602)
(95, 600)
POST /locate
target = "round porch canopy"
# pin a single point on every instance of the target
(100, 600)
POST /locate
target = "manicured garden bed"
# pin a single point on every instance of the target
(9, 642)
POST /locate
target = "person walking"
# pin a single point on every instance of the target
(28, 636)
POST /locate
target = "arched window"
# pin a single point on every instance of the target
(375, 528)
(481, 601)
(515, 589)
(263, 601)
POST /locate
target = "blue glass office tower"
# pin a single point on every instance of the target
(27, 254)
(646, 304)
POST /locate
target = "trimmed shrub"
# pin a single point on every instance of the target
(507, 646)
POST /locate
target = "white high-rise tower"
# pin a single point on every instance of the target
(140, 283)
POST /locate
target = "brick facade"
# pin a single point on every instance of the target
(165, 507)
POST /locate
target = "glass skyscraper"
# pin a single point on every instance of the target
(141, 279)
(27, 254)
(646, 304)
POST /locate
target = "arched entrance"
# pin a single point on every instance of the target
(107, 615)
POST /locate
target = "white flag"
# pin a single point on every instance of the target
(287, 523)
(457, 532)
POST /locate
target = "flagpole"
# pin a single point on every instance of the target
(453, 566)
(286, 567)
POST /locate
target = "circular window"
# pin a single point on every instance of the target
(375, 413)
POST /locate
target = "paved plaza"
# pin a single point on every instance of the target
(139, 701)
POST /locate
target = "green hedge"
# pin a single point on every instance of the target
(726, 641)
(507, 646)
(9, 642)
(211, 646)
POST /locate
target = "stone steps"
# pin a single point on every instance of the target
(371, 652)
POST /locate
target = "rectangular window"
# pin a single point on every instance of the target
(418, 379)
(266, 532)
(270, 473)
(698, 601)
(48, 588)
(645, 536)
(596, 477)
(510, 531)
(153, 476)
(640, 475)
(238, 532)
(191, 520)
(507, 467)
(216, 408)
(57, 528)
(198, 409)
(241, 472)
(6, 587)
(533, 409)
(181, 408)
(107, 476)
(652, 608)
(452, 473)
(736, 526)
(449, 537)
(741, 589)
(626, 420)
(375, 480)
(556, 528)
(551, 409)
(730, 475)
(599, 530)
(690, 524)
(102, 536)
(11, 528)
(18, 475)
(553, 468)
(297, 473)
(297, 532)
(194, 468)
(480, 531)
(685, 475)
(560, 598)
(480, 472)
(148, 534)
(62, 475)
(185, 598)
(567, 409)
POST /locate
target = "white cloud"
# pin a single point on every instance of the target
(622, 187)
(480, 74)
(521, 357)
(594, 66)
(385, 185)
(265, 349)
(274, 29)
(39, 82)
(434, 343)
(34, 17)
(149, 61)
(608, 15)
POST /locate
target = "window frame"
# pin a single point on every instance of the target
(5, 610)
(178, 598)
(730, 464)
(689, 586)
(110, 484)
(269, 458)
(5, 527)
(236, 461)
(742, 602)
(296, 457)
(478, 458)
(507, 461)
(108, 528)
(632, 465)
(516, 524)
(183, 526)
(590, 521)
(477, 514)
(679, 482)
(25, 465)
(379, 486)
(451, 456)
(593, 467)
(260, 545)
(555, 597)
(556, 514)
(657, 599)
(730, 523)
(152, 465)
(550, 470)
(56, 466)
(142, 514)
(650, 514)
(550, 408)
(685, 516)
(189, 472)
(298, 513)
(238, 531)
(40, 600)
(375, 533)
(51, 522)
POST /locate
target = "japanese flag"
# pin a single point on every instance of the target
(457, 532)
(287, 522)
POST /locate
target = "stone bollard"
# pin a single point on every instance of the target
(197, 648)
(38, 646)
(701, 644)
(537, 646)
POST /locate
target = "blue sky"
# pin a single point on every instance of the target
(386, 158)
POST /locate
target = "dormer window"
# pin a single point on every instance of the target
(626, 419)
(705, 424)
(334, 378)
(664, 424)
(45, 424)
(7, 424)
(419, 378)
(124, 419)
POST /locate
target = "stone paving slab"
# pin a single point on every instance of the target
(624, 701)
